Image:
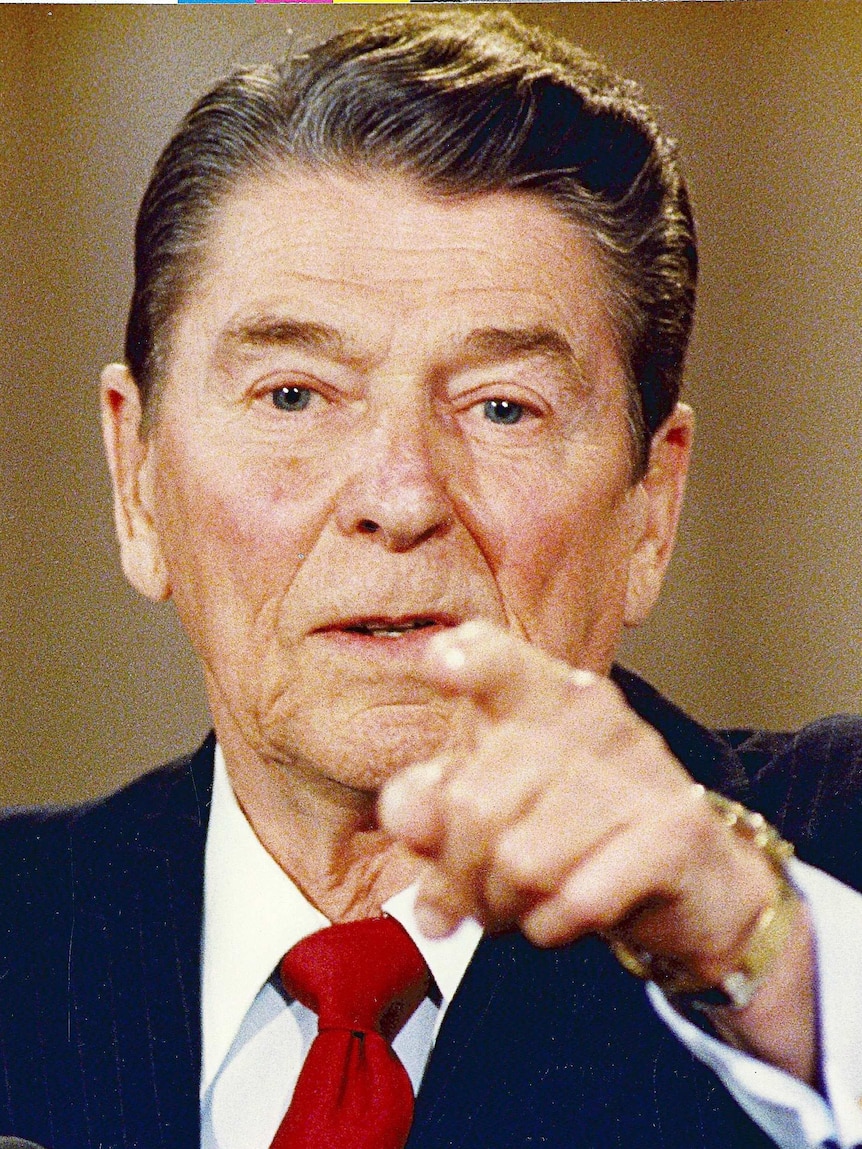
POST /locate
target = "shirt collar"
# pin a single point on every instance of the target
(254, 913)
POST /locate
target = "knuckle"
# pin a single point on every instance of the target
(630, 735)
(650, 740)
(514, 862)
(537, 931)
(573, 906)
(604, 692)
(526, 863)
(592, 914)
(460, 800)
(470, 803)
(554, 922)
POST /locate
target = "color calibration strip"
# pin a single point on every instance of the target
(290, 1)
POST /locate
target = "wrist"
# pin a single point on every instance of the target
(734, 984)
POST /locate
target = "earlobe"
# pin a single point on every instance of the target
(661, 490)
(130, 461)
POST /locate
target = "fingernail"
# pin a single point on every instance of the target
(448, 651)
(470, 631)
(454, 658)
(582, 678)
(390, 806)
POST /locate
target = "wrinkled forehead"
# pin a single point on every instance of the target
(361, 255)
(346, 237)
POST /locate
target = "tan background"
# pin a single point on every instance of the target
(761, 619)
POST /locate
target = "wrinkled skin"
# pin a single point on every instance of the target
(386, 415)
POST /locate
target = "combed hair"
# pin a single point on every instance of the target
(463, 103)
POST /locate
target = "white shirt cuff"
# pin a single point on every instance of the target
(793, 1114)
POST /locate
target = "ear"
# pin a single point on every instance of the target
(131, 462)
(660, 492)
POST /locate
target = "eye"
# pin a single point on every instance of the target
(291, 398)
(503, 411)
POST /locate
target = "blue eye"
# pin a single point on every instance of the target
(503, 411)
(291, 398)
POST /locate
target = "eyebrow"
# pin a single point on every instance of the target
(480, 346)
(504, 341)
(501, 343)
(266, 331)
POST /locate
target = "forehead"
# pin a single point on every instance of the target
(374, 256)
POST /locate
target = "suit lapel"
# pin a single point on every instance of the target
(134, 964)
(708, 758)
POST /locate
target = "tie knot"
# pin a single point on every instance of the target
(364, 975)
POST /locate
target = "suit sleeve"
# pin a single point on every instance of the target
(793, 1114)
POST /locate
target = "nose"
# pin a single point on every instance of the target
(397, 489)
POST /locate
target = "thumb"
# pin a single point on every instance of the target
(408, 807)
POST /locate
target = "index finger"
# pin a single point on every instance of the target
(502, 673)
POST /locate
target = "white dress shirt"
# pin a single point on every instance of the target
(255, 1038)
(792, 1113)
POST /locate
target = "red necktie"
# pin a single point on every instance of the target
(363, 980)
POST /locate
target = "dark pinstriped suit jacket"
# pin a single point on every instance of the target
(100, 914)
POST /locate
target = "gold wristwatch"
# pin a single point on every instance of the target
(766, 941)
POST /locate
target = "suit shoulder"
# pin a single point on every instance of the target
(181, 789)
(39, 845)
(822, 759)
(809, 784)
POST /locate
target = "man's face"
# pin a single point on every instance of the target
(386, 414)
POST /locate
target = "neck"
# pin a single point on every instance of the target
(322, 833)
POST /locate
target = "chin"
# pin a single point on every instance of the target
(369, 749)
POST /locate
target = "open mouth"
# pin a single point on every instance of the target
(381, 628)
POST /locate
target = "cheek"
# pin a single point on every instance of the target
(559, 551)
(234, 535)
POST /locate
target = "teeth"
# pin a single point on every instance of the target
(392, 631)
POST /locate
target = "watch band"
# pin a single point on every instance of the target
(766, 940)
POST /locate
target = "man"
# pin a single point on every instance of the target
(399, 432)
